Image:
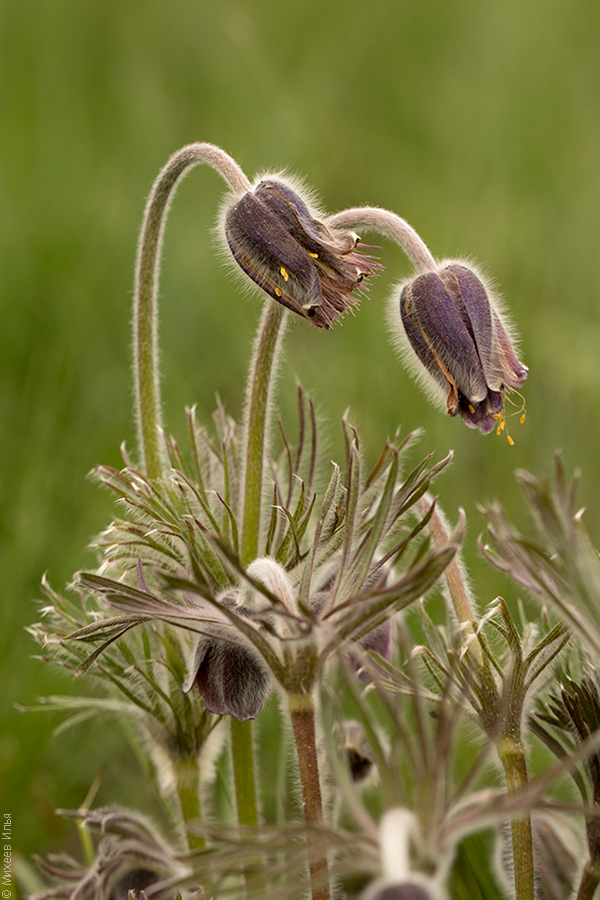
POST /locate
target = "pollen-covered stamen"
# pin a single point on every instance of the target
(501, 417)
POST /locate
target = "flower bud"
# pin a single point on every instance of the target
(230, 677)
(296, 259)
(460, 341)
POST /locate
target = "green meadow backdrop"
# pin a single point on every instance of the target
(476, 120)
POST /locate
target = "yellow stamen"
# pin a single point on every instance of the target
(314, 255)
(278, 292)
(471, 409)
(501, 417)
(284, 273)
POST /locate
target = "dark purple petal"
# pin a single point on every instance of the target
(481, 415)
(418, 342)
(498, 358)
(473, 305)
(433, 314)
(230, 678)
(271, 257)
(514, 373)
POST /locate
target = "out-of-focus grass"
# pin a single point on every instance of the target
(477, 121)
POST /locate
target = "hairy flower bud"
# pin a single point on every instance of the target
(296, 259)
(230, 678)
(461, 342)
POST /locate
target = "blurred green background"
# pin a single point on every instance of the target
(477, 121)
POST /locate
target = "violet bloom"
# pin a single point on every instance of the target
(461, 342)
(231, 676)
(313, 270)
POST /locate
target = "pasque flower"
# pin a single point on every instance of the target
(458, 340)
(310, 268)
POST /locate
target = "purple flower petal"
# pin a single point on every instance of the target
(229, 677)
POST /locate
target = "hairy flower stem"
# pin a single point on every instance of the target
(512, 757)
(188, 789)
(263, 367)
(145, 313)
(372, 218)
(243, 772)
(457, 586)
(302, 714)
(262, 370)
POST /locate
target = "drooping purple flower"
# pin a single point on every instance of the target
(230, 674)
(458, 336)
(230, 678)
(309, 268)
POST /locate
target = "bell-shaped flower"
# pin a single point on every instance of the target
(280, 244)
(231, 676)
(457, 339)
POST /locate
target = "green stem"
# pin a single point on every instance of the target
(145, 316)
(512, 757)
(261, 376)
(188, 789)
(243, 772)
(302, 714)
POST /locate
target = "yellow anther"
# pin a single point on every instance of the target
(510, 440)
(314, 255)
(522, 419)
(278, 292)
(471, 409)
(284, 273)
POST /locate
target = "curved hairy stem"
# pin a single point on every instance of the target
(392, 226)
(145, 314)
